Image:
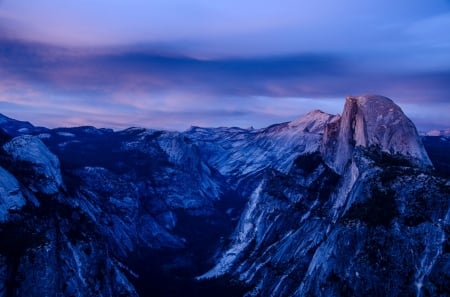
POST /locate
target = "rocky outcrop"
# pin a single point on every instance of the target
(372, 121)
(31, 157)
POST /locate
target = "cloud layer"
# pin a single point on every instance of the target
(173, 64)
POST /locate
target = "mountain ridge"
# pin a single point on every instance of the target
(292, 209)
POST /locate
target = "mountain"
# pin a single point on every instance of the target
(14, 127)
(339, 222)
(324, 205)
(444, 132)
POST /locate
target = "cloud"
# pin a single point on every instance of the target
(175, 63)
(221, 26)
(85, 71)
(138, 71)
(133, 86)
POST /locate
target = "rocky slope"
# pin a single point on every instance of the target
(325, 205)
(361, 216)
(87, 206)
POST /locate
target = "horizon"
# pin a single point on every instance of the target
(118, 129)
(175, 64)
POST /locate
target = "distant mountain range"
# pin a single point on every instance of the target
(444, 132)
(325, 205)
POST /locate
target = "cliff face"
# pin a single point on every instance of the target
(372, 121)
(325, 205)
(339, 222)
(320, 234)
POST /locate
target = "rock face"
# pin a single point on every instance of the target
(82, 208)
(319, 239)
(339, 221)
(237, 152)
(373, 121)
(10, 196)
(34, 156)
(325, 205)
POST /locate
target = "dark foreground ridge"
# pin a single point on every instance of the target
(325, 205)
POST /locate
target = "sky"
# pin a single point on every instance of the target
(175, 63)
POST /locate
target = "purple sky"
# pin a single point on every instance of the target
(173, 63)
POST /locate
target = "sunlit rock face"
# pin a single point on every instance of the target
(373, 121)
(325, 205)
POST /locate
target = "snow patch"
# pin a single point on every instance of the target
(66, 143)
(44, 136)
(65, 134)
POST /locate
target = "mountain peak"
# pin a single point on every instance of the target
(373, 120)
(312, 122)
